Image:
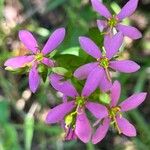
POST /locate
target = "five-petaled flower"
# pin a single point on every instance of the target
(76, 121)
(97, 73)
(37, 56)
(115, 114)
(114, 21)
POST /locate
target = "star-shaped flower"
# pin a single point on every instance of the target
(115, 114)
(114, 21)
(73, 112)
(97, 73)
(37, 56)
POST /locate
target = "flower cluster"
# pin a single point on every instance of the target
(72, 113)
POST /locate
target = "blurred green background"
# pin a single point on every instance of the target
(22, 113)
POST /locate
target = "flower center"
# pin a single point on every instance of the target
(113, 112)
(39, 56)
(80, 101)
(104, 62)
(112, 22)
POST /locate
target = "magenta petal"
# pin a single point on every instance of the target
(113, 44)
(101, 131)
(126, 66)
(101, 9)
(133, 101)
(54, 40)
(129, 31)
(102, 24)
(126, 127)
(92, 81)
(18, 62)
(63, 86)
(70, 134)
(105, 84)
(90, 47)
(83, 71)
(58, 113)
(115, 93)
(128, 9)
(48, 62)
(34, 79)
(83, 128)
(28, 40)
(98, 110)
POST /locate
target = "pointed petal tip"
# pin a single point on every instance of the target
(62, 30)
(133, 101)
(82, 38)
(100, 8)
(128, 9)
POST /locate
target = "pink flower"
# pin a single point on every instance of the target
(37, 56)
(76, 121)
(97, 73)
(115, 114)
(114, 21)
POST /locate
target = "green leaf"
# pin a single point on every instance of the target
(62, 71)
(43, 70)
(4, 110)
(71, 51)
(10, 138)
(96, 36)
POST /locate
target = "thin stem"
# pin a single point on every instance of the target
(108, 74)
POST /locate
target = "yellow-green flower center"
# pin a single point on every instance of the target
(113, 112)
(39, 56)
(104, 62)
(112, 22)
(80, 101)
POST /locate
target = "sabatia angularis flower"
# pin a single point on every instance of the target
(37, 56)
(73, 112)
(115, 114)
(114, 21)
(97, 73)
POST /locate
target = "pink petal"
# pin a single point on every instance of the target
(102, 24)
(83, 128)
(34, 79)
(18, 62)
(65, 87)
(113, 44)
(28, 40)
(58, 113)
(133, 101)
(83, 71)
(105, 84)
(129, 31)
(126, 127)
(128, 9)
(126, 66)
(71, 135)
(98, 110)
(54, 40)
(101, 9)
(48, 62)
(90, 47)
(115, 93)
(101, 131)
(92, 81)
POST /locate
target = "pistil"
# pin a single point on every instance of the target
(113, 112)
